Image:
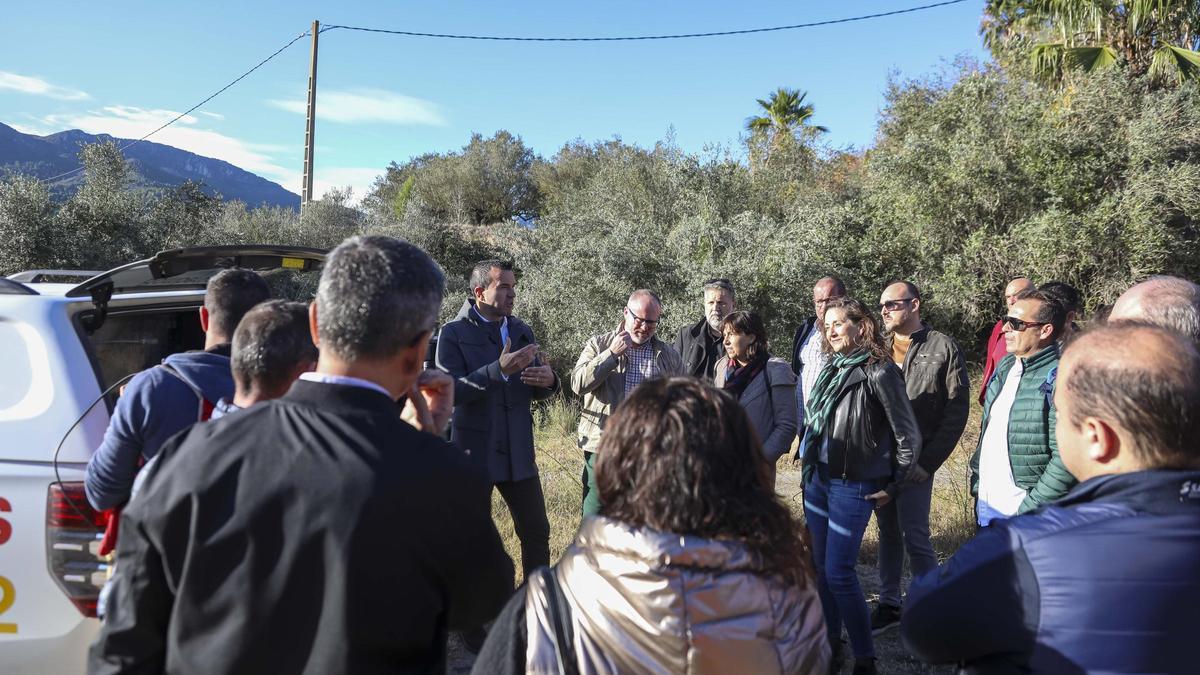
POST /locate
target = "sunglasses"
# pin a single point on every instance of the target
(893, 305)
(1019, 325)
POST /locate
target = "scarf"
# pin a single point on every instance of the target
(824, 394)
(737, 378)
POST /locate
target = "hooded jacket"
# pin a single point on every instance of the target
(155, 406)
(647, 601)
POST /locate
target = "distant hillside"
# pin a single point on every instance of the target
(156, 164)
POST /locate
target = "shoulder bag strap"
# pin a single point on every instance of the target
(564, 631)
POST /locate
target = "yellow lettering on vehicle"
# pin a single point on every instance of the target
(293, 263)
(7, 595)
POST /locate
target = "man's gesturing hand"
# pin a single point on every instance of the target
(620, 342)
(538, 376)
(514, 362)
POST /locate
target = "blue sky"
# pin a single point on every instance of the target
(125, 67)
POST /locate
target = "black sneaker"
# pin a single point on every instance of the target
(884, 617)
(473, 639)
(837, 657)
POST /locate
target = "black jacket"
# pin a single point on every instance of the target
(872, 433)
(935, 377)
(317, 533)
(492, 418)
(699, 349)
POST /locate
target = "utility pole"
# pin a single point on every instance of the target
(310, 123)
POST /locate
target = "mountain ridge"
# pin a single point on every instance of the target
(156, 164)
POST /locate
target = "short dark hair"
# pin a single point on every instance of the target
(909, 287)
(748, 323)
(720, 285)
(1050, 310)
(681, 456)
(1144, 378)
(1066, 295)
(271, 341)
(481, 274)
(231, 293)
(376, 296)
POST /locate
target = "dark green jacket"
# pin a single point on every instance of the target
(1032, 448)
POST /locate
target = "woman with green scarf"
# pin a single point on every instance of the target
(860, 444)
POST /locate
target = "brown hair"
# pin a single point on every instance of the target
(748, 323)
(681, 456)
(857, 312)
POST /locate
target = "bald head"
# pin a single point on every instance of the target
(1132, 387)
(1016, 287)
(825, 291)
(1169, 302)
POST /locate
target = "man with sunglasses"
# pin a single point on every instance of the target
(1016, 466)
(611, 366)
(935, 378)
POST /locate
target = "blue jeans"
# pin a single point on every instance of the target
(837, 512)
(985, 514)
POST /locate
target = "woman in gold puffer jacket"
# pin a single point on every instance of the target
(694, 567)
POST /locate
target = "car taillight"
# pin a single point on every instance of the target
(73, 534)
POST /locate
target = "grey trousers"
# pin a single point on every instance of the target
(904, 526)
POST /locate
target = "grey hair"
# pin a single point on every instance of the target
(721, 285)
(1174, 304)
(377, 295)
(271, 341)
(481, 275)
(646, 293)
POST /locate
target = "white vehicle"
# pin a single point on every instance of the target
(64, 350)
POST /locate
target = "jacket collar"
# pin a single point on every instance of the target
(340, 398)
(1156, 491)
(662, 549)
(1047, 354)
(700, 329)
(469, 314)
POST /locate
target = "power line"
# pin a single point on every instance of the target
(193, 108)
(512, 38)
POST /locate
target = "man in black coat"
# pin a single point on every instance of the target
(497, 373)
(701, 344)
(318, 532)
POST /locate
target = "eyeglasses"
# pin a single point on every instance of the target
(639, 320)
(1019, 325)
(893, 305)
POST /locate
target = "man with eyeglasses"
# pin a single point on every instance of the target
(611, 366)
(701, 344)
(935, 378)
(1016, 466)
(994, 350)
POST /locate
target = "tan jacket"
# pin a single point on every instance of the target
(599, 377)
(773, 416)
(645, 601)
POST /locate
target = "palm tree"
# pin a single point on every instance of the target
(785, 113)
(1156, 37)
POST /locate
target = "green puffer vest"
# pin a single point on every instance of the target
(1032, 448)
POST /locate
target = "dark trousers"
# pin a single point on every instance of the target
(527, 505)
(904, 526)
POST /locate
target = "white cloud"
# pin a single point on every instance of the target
(30, 129)
(215, 116)
(132, 123)
(38, 87)
(368, 105)
(358, 179)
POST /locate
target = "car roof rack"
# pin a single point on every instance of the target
(42, 276)
(10, 287)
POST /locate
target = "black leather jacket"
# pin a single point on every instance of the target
(873, 433)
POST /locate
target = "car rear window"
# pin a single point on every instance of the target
(131, 341)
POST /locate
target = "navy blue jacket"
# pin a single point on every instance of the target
(1107, 579)
(156, 405)
(492, 416)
